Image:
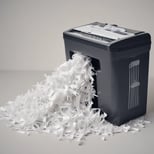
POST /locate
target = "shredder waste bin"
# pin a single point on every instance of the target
(120, 57)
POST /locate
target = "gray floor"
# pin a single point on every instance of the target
(15, 83)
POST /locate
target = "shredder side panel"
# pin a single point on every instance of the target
(129, 85)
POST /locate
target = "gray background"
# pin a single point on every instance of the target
(31, 44)
(31, 30)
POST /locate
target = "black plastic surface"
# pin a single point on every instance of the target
(112, 62)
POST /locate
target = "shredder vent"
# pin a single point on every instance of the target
(134, 84)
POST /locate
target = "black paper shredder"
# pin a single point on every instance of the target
(120, 57)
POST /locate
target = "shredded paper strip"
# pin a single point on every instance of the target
(61, 104)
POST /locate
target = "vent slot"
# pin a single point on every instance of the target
(134, 84)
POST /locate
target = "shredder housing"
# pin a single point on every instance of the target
(121, 65)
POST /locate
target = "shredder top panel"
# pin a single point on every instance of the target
(114, 37)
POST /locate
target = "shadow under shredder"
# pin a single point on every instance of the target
(120, 57)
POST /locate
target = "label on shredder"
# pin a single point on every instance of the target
(107, 31)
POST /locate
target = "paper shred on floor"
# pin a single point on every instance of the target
(61, 104)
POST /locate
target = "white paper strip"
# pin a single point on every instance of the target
(61, 105)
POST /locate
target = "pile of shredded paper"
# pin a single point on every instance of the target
(62, 105)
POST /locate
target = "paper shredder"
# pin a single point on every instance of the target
(120, 57)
